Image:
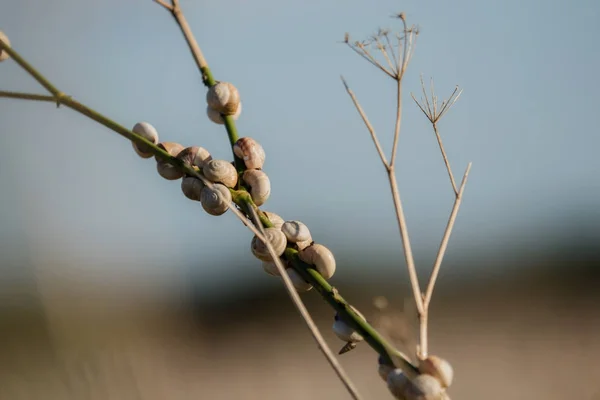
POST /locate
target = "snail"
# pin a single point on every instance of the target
(277, 240)
(145, 130)
(223, 98)
(217, 118)
(438, 368)
(321, 257)
(275, 219)
(299, 284)
(346, 333)
(220, 171)
(192, 187)
(215, 200)
(260, 185)
(3, 54)
(250, 151)
(165, 169)
(296, 231)
(195, 156)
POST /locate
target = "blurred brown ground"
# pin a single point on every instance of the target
(533, 335)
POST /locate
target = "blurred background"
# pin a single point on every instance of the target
(115, 286)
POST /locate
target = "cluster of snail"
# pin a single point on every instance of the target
(435, 376)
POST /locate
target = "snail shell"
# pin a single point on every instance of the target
(300, 284)
(384, 369)
(250, 151)
(215, 200)
(296, 231)
(344, 331)
(3, 54)
(438, 368)
(166, 170)
(217, 118)
(270, 268)
(223, 98)
(277, 240)
(424, 387)
(321, 257)
(275, 219)
(192, 187)
(148, 132)
(220, 171)
(195, 156)
(260, 185)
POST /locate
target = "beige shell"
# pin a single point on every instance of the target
(275, 219)
(321, 257)
(344, 331)
(300, 284)
(304, 244)
(397, 383)
(221, 171)
(215, 200)
(296, 231)
(224, 98)
(260, 185)
(3, 54)
(277, 240)
(424, 387)
(270, 268)
(217, 118)
(149, 133)
(250, 151)
(438, 368)
(195, 156)
(165, 169)
(384, 370)
(192, 187)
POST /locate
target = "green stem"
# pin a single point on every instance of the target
(243, 199)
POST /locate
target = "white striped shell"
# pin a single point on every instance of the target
(217, 118)
(192, 187)
(3, 54)
(195, 156)
(166, 170)
(300, 284)
(223, 98)
(215, 200)
(277, 240)
(220, 171)
(260, 185)
(321, 257)
(250, 151)
(275, 219)
(296, 231)
(149, 133)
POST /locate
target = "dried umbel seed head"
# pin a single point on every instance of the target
(223, 98)
(383, 368)
(195, 156)
(275, 219)
(215, 200)
(149, 133)
(217, 118)
(3, 54)
(319, 256)
(438, 368)
(192, 187)
(300, 284)
(220, 171)
(277, 240)
(260, 185)
(424, 387)
(296, 231)
(344, 331)
(166, 170)
(250, 151)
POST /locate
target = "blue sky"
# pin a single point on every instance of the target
(76, 193)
